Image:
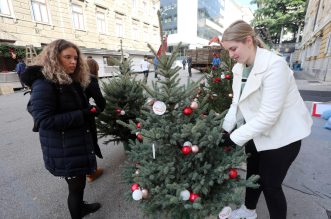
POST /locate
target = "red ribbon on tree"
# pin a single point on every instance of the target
(163, 47)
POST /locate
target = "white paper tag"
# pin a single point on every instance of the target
(159, 107)
(153, 149)
(225, 213)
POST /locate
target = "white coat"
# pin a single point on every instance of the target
(270, 103)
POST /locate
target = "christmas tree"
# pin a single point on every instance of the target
(218, 84)
(178, 165)
(124, 99)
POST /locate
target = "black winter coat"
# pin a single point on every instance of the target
(93, 91)
(64, 132)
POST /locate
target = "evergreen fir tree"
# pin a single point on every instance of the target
(124, 99)
(177, 167)
(218, 84)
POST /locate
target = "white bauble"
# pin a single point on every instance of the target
(195, 149)
(187, 143)
(137, 195)
(185, 195)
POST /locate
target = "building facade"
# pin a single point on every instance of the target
(316, 40)
(195, 22)
(192, 22)
(96, 26)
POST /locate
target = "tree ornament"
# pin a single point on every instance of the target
(217, 80)
(194, 105)
(122, 112)
(159, 107)
(233, 173)
(228, 76)
(187, 143)
(193, 197)
(222, 76)
(139, 136)
(137, 195)
(187, 111)
(186, 150)
(213, 68)
(138, 125)
(195, 149)
(144, 193)
(185, 195)
(93, 110)
(225, 213)
(118, 111)
(134, 187)
(227, 148)
(230, 95)
(137, 172)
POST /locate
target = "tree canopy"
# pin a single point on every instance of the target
(275, 14)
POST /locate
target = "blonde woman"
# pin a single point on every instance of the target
(61, 114)
(267, 116)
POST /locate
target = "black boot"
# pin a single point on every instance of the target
(90, 208)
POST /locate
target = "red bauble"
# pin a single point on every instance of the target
(228, 76)
(186, 150)
(138, 125)
(139, 136)
(134, 187)
(187, 111)
(213, 68)
(233, 173)
(217, 80)
(93, 110)
(193, 196)
(227, 148)
(118, 111)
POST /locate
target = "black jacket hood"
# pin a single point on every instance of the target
(31, 74)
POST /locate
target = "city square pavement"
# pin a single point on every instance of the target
(28, 190)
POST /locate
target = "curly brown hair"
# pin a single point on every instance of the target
(53, 69)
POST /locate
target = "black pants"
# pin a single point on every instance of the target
(145, 75)
(76, 194)
(189, 71)
(272, 166)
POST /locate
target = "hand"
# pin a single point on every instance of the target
(226, 140)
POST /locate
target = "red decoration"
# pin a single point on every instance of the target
(227, 148)
(138, 125)
(118, 111)
(193, 196)
(213, 68)
(186, 150)
(187, 111)
(228, 76)
(134, 187)
(93, 110)
(233, 173)
(139, 136)
(217, 80)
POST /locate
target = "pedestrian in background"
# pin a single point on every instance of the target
(62, 116)
(155, 63)
(269, 114)
(189, 65)
(216, 62)
(93, 91)
(145, 68)
(20, 68)
(184, 63)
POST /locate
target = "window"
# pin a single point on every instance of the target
(4, 7)
(119, 27)
(134, 4)
(39, 10)
(111, 60)
(101, 22)
(77, 15)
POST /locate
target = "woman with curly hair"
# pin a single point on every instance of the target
(62, 114)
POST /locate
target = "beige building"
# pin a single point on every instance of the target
(316, 41)
(97, 26)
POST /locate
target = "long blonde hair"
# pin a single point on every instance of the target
(239, 31)
(54, 71)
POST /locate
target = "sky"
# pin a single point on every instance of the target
(247, 3)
